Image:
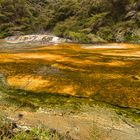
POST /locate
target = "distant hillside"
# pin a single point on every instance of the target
(83, 21)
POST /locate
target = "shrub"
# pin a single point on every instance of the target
(106, 33)
(78, 37)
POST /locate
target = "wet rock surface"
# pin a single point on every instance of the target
(44, 39)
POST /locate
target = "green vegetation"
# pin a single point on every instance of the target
(83, 21)
(10, 130)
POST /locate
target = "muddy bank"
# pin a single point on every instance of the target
(97, 122)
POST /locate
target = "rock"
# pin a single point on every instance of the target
(16, 130)
(36, 38)
(24, 128)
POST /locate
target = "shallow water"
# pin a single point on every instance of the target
(104, 46)
(46, 75)
(75, 70)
